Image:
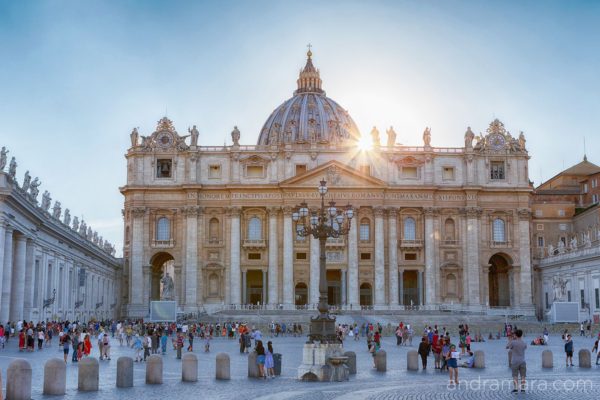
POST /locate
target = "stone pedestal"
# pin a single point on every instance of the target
(323, 363)
(189, 368)
(124, 372)
(479, 359)
(55, 377)
(585, 358)
(351, 362)
(412, 361)
(18, 380)
(547, 359)
(88, 374)
(223, 371)
(381, 361)
(154, 370)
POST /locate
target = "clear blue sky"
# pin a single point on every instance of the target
(77, 76)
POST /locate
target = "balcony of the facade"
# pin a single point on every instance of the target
(254, 243)
(162, 244)
(410, 243)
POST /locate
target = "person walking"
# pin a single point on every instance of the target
(75, 346)
(452, 364)
(137, 346)
(518, 365)
(595, 350)
(87, 345)
(66, 343)
(163, 342)
(424, 351)
(569, 348)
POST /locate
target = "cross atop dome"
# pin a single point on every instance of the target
(310, 79)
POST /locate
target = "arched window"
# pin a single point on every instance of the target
(163, 229)
(213, 230)
(365, 230)
(499, 232)
(254, 229)
(410, 229)
(449, 229)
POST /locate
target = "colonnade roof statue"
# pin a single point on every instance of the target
(30, 190)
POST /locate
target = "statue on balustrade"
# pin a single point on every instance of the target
(12, 169)
(375, 137)
(574, 243)
(46, 200)
(194, 136)
(561, 247)
(550, 250)
(26, 182)
(56, 210)
(3, 156)
(134, 137)
(235, 136)
(82, 228)
(427, 137)
(391, 137)
(469, 136)
(67, 217)
(168, 288)
(34, 189)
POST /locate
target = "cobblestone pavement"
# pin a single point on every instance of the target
(493, 382)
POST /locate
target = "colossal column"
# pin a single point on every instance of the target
(17, 296)
(353, 265)
(525, 256)
(379, 258)
(7, 274)
(136, 273)
(2, 247)
(393, 256)
(273, 256)
(288, 258)
(472, 256)
(191, 258)
(234, 278)
(29, 280)
(429, 257)
(314, 270)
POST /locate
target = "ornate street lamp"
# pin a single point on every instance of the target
(327, 222)
(50, 301)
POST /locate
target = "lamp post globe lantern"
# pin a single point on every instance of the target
(326, 222)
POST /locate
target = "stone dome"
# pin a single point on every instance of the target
(309, 116)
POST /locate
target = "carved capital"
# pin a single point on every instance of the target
(472, 212)
(430, 211)
(234, 211)
(524, 213)
(287, 210)
(273, 211)
(138, 212)
(379, 211)
(392, 212)
(191, 211)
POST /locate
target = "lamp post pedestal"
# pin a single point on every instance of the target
(320, 362)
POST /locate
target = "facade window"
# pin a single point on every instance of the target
(410, 172)
(582, 295)
(594, 198)
(499, 233)
(448, 173)
(254, 229)
(449, 229)
(497, 170)
(585, 188)
(562, 227)
(410, 256)
(164, 168)
(568, 295)
(365, 256)
(597, 293)
(594, 183)
(561, 213)
(365, 230)
(163, 229)
(300, 256)
(213, 230)
(300, 169)
(410, 229)
(540, 242)
(254, 171)
(214, 171)
(254, 256)
(539, 213)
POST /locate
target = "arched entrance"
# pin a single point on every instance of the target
(161, 264)
(366, 295)
(499, 281)
(301, 294)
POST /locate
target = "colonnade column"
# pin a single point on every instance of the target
(273, 257)
(472, 256)
(393, 256)
(344, 297)
(314, 270)
(235, 255)
(191, 258)
(17, 295)
(29, 279)
(7, 274)
(3, 229)
(264, 286)
(525, 257)
(136, 264)
(244, 288)
(429, 257)
(353, 299)
(401, 287)
(420, 287)
(379, 258)
(288, 258)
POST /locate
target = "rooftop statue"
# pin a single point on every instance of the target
(46, 200)
(427, 137)
(469, 136)
(26, 182)
(75, 224)
(235, 136)
(67, 217)
(391, 137)
(3, 156)
(194, 136)
(375, 137)
(134, 137)
(33, 189)
(82, 228)
(56, 210)
(12, 169)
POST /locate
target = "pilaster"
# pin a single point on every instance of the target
(379, 258)
(288, 257)
(273, 256)
(393, 256)
(235, 243)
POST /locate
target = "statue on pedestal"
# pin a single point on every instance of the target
(33, 189)
(3, 156)
(82, 228)
(26, 182)
(168, 287)
(75, 224)
(469, 136)
(561, 247)
(67, 217)
(235, 136)
(550, 250)
(574, 243)
(560, 288)
(46, 200)
(391, 137)
(375, 137)
(522, 141)
(427, 137)
(587, 242)
(12, 169)
(56, 210)
(89, 234)
(134, 137)
(194, 136)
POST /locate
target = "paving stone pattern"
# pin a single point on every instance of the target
(396, 383)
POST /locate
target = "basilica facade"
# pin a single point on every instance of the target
(433, 227)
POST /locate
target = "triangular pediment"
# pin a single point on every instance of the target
(337, 175)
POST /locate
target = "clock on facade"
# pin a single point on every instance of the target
(164, 139)
(497, 141)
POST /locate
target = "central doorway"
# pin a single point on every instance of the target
(334, 287)
(254, 287)
(499, 281)
(301, 295)
(410, 287)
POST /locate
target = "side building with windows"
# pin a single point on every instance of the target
(436, 227)
(52, 266)
(566, 240)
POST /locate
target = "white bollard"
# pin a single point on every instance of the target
(189, 368)
(18, 380)
(55, 377)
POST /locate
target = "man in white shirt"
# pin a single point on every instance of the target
(106, 346)
(101, 344)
